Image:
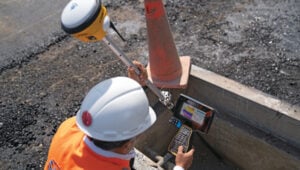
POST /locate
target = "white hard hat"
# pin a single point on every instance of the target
(116, 109)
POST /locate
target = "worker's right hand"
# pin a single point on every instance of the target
(139, 78)
(184, 160)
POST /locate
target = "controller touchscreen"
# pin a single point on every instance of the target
(194, 113)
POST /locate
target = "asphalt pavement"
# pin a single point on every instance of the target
(26, 27)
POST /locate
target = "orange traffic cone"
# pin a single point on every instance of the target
(165, 69)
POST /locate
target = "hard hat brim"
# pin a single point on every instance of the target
(152, 115)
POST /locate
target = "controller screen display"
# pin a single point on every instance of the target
(192, 113)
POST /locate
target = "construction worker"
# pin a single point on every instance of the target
(103, 132)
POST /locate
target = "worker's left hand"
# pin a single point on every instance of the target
(184, 160)
(139, 78)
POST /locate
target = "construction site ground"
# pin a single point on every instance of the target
(45, 73)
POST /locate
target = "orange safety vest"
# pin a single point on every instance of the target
(68, 151)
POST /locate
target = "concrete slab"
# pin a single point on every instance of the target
(155, 141)
(251, 130)
(252, 106)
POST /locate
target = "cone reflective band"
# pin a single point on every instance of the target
(84, 19)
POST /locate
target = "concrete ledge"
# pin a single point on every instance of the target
(253, 130)
(141, 161)
(258, 109)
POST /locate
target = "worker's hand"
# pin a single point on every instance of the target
(184, 160)
(139, 78)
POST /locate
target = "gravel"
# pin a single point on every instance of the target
(253, 42)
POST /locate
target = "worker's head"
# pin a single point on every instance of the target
(114, 112)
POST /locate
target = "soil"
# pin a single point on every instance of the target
(254, 42)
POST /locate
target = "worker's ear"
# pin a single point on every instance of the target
(128, 146)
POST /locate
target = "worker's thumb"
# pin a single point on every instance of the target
(180, 149)
(191, 152)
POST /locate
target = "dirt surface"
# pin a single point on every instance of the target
(251, 41)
